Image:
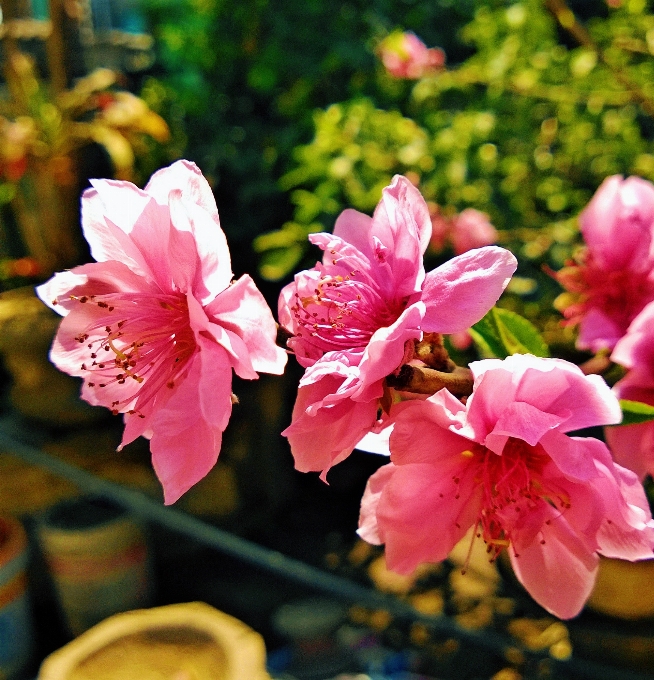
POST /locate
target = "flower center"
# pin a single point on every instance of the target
(512, 484)
(342, 312)
(138, 340)
(620, 294)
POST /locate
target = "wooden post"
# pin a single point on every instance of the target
(56, 49)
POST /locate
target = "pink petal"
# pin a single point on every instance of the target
(523, 421)
(598, 331)
(67, 353)
(368, 529)
(90, 279)
(215, 384)
(559, 574)
(185, 176)
(493, 392)
(574, 456)
(137, 426)
(560, 387)
(339, 253)
(617, 223)
(628, 531)
(109, 212)
(242, 310)
(460, 292)
(182, 249)
(586, 510)
(225, 339)
(184, 458)
(420, 432)
(343, 365)
(184, 444)
(419, 517)
(551, 385)
(633, 447)
(145, 223)
(385, 349)
(636, 348)
(235, 348)
(202, 253)
(355, 228)
(329, 435)
(402, 224)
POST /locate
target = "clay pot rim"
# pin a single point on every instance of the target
(13, 539)
(243, 647)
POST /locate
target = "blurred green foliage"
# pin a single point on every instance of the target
(243, 78)
(525, 129)
(290, 114)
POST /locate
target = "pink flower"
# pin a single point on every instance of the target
(353, 315)
(633, 445)
(156, 325)
(504, 464)
(472, 229)
(441, 227)
(615, 279)
(468, 230)
(404, 55)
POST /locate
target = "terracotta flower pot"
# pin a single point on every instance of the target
(192, 641)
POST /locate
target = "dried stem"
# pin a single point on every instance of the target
(425, 380)
(431, 351)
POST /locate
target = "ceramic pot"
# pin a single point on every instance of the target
(15, 618)
(192, 641)
(97, 556)
(624, 589)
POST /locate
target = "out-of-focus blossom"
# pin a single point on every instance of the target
(353, 316)
(125, 111)
(93, 111)
(404, 55)
(633, 445)
(461, 340)
(471, 229)
(16, 141)
(156, 325)
(615, 277)
(504, 464)
(440, 228)
(465, 231)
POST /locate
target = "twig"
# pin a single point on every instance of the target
(424, 380)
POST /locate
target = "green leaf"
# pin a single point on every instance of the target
(634, 412)
(503, 332)
(485, 335)
(278, 263)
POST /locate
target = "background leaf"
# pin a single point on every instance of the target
(503, 332)
(635, 412)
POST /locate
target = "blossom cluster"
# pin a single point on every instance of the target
(156, 325)
(405, 56)
(610, 295)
